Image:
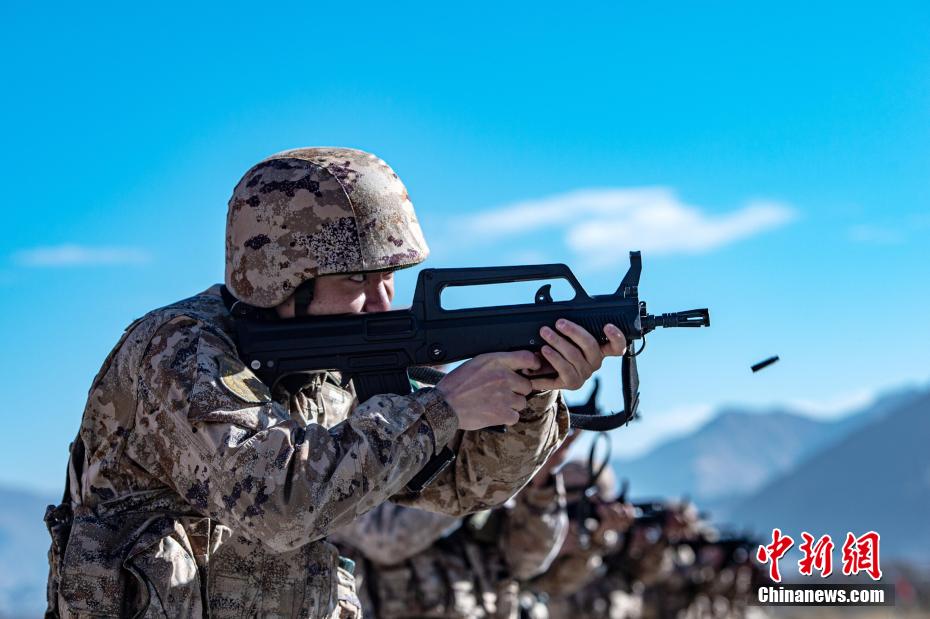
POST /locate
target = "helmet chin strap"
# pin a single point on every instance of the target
(303, 296)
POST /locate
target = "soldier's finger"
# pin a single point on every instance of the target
(507, 417)
(545, 384)
(518, 360)
(616, 342)
(585, 342)
(517, 403)
(544, 369)
(568, 350)
(569, 375)
(519, 384)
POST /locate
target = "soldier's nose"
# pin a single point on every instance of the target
(377, 299)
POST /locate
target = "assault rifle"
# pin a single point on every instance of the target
(377, 349)
(650, 514)
(735, 549)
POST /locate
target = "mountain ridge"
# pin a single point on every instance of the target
(738, 450)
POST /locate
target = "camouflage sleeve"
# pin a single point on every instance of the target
(534, 529)
(576, 565)
(569, 574)
(206, 426)
(391, 533)
(491, 467)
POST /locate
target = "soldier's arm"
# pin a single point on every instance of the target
(534, 529)
(491, 467)
(571, 571)
(207, 427)
(391, 533)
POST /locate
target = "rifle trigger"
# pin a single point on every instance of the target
(544, 294)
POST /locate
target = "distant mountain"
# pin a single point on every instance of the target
(877, 478)
(733, 454)
(23, 547)
(738, 451)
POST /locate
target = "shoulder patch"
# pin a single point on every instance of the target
(241, 382)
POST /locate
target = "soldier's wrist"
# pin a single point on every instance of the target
(440, 417)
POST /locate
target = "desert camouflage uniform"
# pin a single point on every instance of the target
(210, 493)
(197, 492)
(579, 561)
(415, 564)
(576, 566)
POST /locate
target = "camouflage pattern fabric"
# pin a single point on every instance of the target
(580, 558)
(409, 567)
(606, 582)
(205, 494)
(315, 211)
(610, 596)
(575, 566)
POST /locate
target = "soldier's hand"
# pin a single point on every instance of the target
(616, 516)
(487, 390)
(575, 355)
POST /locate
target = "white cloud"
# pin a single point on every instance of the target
(603, 224)
(76, 255)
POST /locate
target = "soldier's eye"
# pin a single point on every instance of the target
(358, 278)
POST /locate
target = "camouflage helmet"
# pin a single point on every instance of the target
(316, 211)
(577, 477)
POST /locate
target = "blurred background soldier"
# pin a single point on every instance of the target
(598, 522)
(661, 562)
(621, 573)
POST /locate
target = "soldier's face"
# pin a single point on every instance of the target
(352, 294)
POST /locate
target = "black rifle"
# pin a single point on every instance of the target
(650, 514)
(736, 550)
(377, 349)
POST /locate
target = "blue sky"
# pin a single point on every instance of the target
(771, 160)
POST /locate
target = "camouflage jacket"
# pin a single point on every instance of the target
(580, 561)
(201, 493)
(608, 596)
(410, 565)
(618, 591)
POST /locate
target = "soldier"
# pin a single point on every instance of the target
(632, 570)
(663, 563)
(416, 564)
(593, 533)
(196, 490)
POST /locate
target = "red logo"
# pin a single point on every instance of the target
(775, 551)
(860, 554)
(817, 556)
